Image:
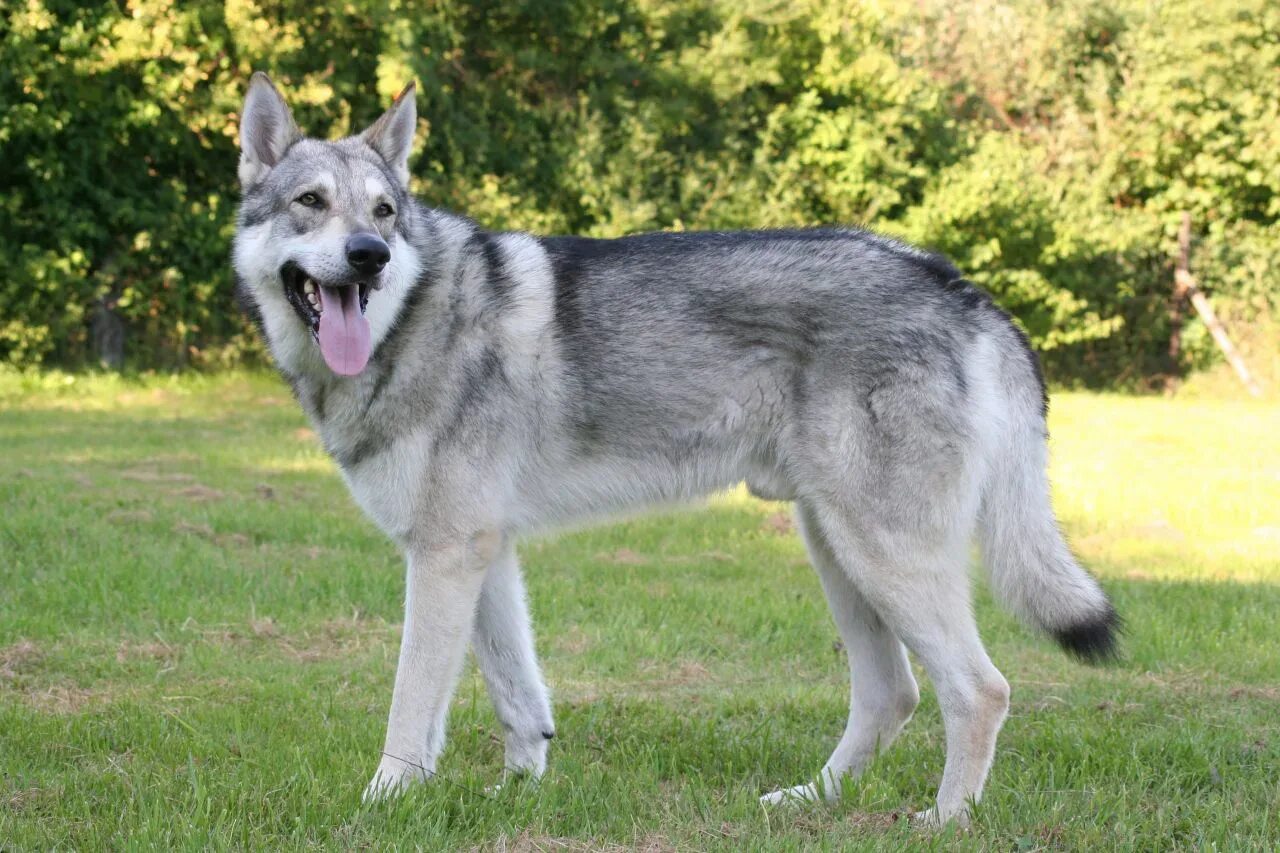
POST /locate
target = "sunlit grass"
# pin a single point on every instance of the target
(1170, 489)
(198, 634)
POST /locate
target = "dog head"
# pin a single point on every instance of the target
(321, 249)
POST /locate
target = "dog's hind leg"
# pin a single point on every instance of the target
(920, 588)
(503, 645)
(883, 692)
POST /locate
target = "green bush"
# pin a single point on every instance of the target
(1049, 149)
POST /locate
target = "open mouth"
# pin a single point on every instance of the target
(304, 294)
(335, 316)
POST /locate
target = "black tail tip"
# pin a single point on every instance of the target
(1093, 640)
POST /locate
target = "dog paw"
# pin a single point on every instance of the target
(932, 818)
(391, 779)
(511, 778)
(927, 819)
(527, 756)
(796, 794)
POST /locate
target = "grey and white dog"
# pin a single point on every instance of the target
(474, 386)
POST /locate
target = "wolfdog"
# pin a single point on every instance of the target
(474, 386)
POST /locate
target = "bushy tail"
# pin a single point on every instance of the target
(1032, 570)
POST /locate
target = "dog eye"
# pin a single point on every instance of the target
(383, 210)
(309, 200)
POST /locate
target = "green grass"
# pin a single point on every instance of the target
(198, 634)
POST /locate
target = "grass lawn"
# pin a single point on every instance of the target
(198, 634)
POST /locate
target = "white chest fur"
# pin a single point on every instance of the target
(388, 486)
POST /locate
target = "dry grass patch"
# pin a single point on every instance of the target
(199, 493)
(64, 699)
(147, 475)
(17, 657)
(527, 842)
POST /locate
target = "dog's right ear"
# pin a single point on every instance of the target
(266, 130)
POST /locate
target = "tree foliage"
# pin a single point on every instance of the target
(1048, 148)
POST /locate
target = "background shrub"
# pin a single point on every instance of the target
(1049, 149)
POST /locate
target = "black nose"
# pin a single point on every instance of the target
(367, 253)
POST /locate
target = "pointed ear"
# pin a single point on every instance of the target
(266, 129)
(392, 134)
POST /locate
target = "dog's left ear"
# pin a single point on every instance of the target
(392, 134)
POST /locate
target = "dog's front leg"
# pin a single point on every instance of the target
(444, 582)
(504, 648)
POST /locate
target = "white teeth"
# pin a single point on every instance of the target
(312, 295)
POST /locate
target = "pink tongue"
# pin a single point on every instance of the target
(344, 332)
